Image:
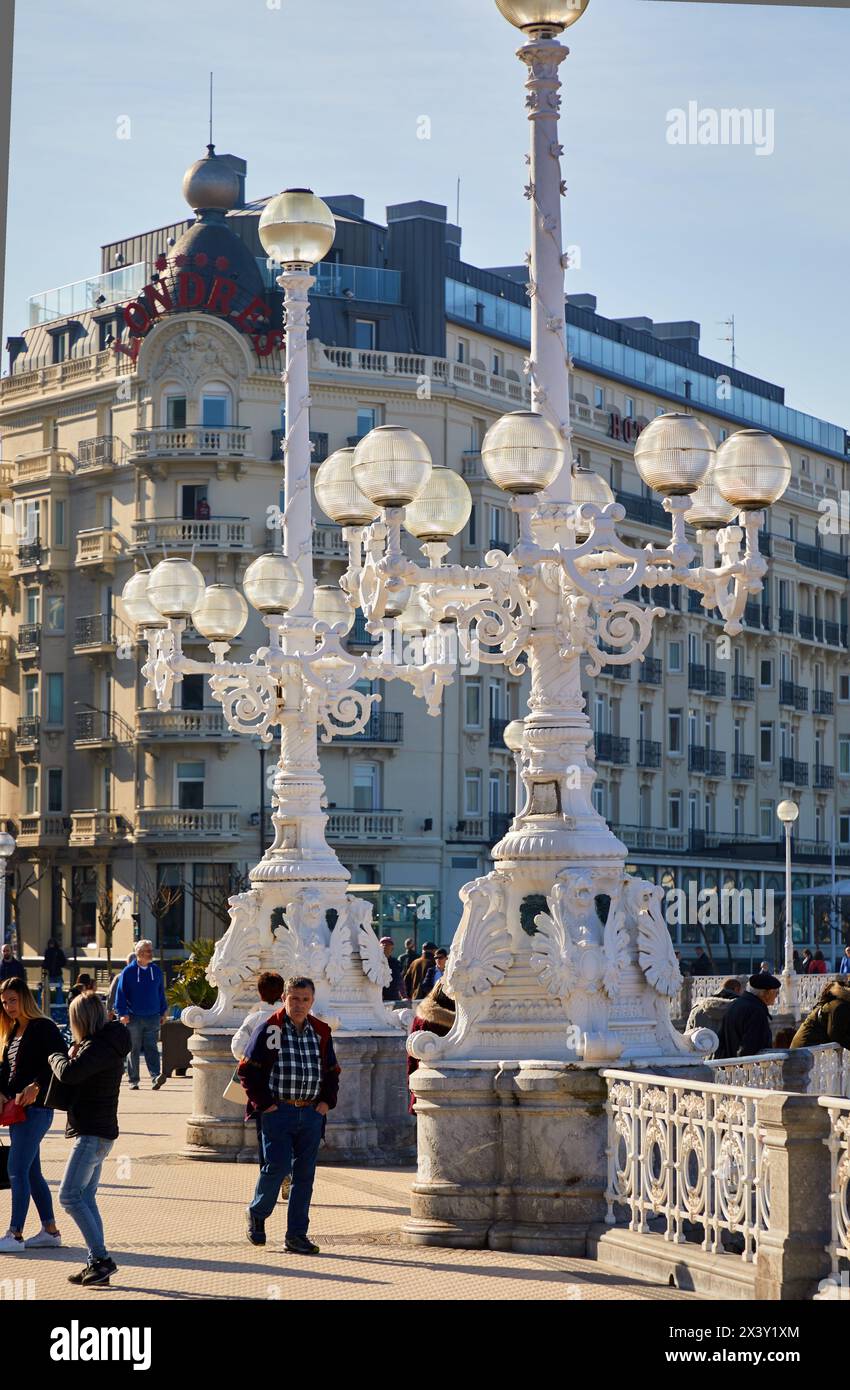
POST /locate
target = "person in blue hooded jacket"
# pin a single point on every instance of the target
(140, 1003)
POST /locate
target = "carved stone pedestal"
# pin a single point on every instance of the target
(371, 1123)
(511, 1156)
(215, 1129)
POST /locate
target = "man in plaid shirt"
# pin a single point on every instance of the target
(291, 1077)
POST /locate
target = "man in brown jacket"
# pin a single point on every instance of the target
(414, 976)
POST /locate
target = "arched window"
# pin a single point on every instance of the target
(215, 405)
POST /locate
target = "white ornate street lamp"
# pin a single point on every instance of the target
(787, 812)
(8, 845)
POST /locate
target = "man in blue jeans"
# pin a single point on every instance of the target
(140, 1003)
(291, 1078)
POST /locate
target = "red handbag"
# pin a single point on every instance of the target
(12, 1113)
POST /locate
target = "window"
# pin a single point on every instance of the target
(767, 828)
(599, 397)
(170, 904)
(598, 798)
(674, 731)
(804, 468)
(472, 703)
(215, 410)
(365, 786)
(765, 674)
(192, 692)
(54, 789)
(56, 698)
(738, 817)
(30, 791)
(844, 756)
(462, 350)
(28, 521)
(59, 523)
(211, 886)
(31, 697)
(724, 435)
(674, 811)
(367, 419)
(364, 334)
(190, 786)
(495, 789)
(61, 346)
(498, 699)
(765, 743)
(498, 364)
(630, 408)
(194, 502)
(792, 528)
(844, 828)
(693, 811)
(844, 686)
(674, 657)
(471, 530)
(55, 612)
(175, 412)
(32, 605)
(472, 794)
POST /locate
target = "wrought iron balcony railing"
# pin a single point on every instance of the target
(611, 749)
(649, 753)
(823, 702)
(743, 766)
(649, 671)
(824, 776)
(793, 772)
(743, 688)
(497, 732)
(795, 695)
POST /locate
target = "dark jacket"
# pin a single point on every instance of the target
(54, 961)
(432, 1018)
(12, 968)
(827, 1023)
(256, 1066)
(93, 1081)
(710, 1012)
(393, 990)
(745, 1029)
(40, 1040)
(415, 976)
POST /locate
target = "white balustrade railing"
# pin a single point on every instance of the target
(812, 1071)
(182, 723)
(838, 1144)
(809, 988)
(689, 1154)
(229, 441)
(436, 369)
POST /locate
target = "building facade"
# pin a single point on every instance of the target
(142, 416)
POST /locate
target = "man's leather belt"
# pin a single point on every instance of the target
(299, 1103)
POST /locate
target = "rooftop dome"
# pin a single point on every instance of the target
(211, 184)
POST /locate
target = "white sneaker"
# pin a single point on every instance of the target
(45, 1240)
(11, 1245)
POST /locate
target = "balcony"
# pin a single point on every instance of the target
(643, 509)
(794, 773)
(743, 767)
(97, 548)
(329, 543)
(384, 726)
(497, 733)
(153, 725)
(31, 555)
(94, 634)
(715, 683)
(617, 673)
(694, 602)
(823, 702)
(824, 777)
(757, 615)
(471, 830)
(44, 463)
(797, 696)
(94, 729)
(649, 671)
(648, 753)
(219, 534)
(708, 760)
(471, 466)
(179, 824)
(650, 837)
(611, 749)
(29, 640)
(318, 439)
(831, 633)
(374, 284)
(806, 626)
(816, 558)
(28, 728)
(786, 620)
(192, 442)
(697, 676)
(743, 688)
(102, 451)
(43, 830)
(98, 828)
(349, 826)
(112, 287)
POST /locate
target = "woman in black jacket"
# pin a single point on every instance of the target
(27, 1040)
(91, 1080)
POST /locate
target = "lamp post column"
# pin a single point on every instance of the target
(550, 388)
(296, 282)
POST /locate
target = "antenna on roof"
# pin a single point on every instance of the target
(457, 212)
(730, 337)
(211, 108)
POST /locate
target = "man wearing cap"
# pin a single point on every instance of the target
(745, 1029)
(415, 976)
(392, 991)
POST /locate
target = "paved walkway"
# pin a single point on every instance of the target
(175, 1227)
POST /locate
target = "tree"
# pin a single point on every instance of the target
(212, 896)
(26, 874)
(109, 914)
(160, 899)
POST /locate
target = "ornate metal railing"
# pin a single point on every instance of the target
(686, 1154)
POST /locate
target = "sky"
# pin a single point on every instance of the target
(337, 101)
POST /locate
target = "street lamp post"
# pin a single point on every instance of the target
(788, 811)
(8, 846)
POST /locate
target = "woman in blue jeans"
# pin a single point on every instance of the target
(27, 1040)
(91, 1081)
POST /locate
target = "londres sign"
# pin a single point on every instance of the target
(191, 291)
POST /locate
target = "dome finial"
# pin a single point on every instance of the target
(211, 184)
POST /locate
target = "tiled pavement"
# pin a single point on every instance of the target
(175, 1228)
